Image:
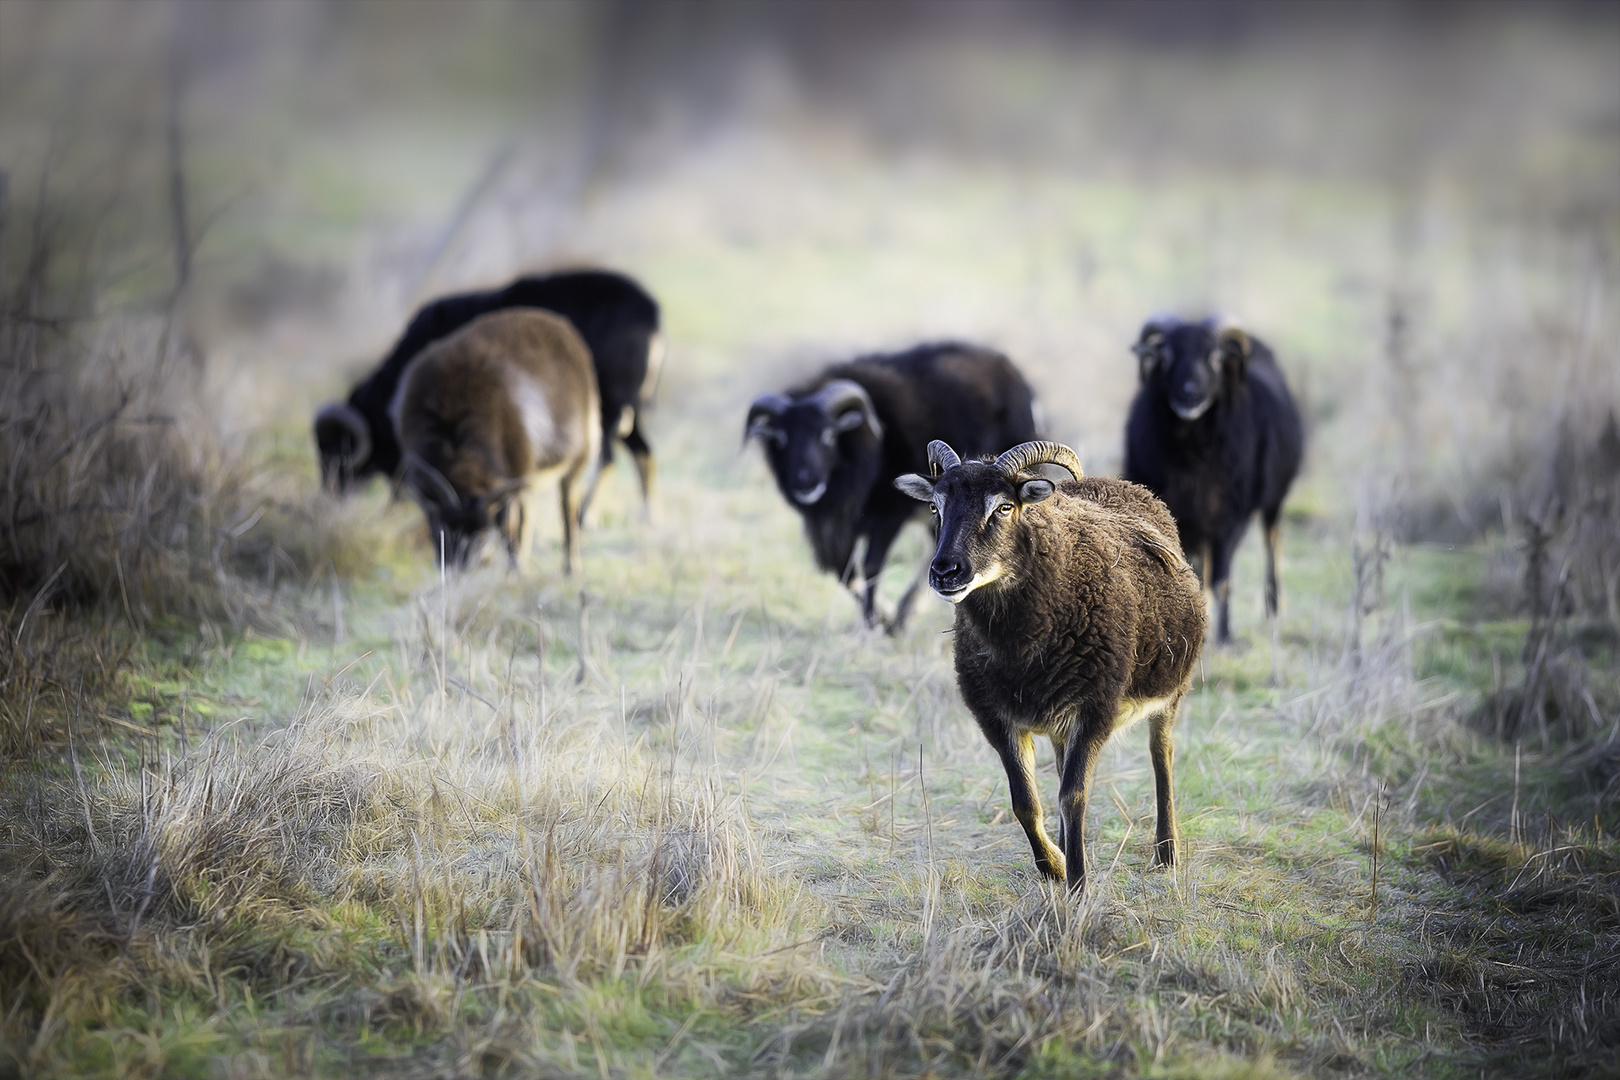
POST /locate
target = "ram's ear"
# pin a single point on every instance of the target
(1034, 491)
(918, 487)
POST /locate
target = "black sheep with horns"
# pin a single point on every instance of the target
(835, 443)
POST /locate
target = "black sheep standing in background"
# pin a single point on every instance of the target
(1215, 434)
(836, 443)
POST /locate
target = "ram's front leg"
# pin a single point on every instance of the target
(1018, 757)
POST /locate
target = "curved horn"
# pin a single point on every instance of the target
(842, 394)
(941, 457)
(1229, 331)
(1028, 455)
(416, 465)
(1149, 343)
(1158, 323)
(767, 408)
(342, 435)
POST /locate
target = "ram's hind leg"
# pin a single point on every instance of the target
(603, 461)
(903, 610)
(641, 453)
(1273, 556)
(879, 538)
(1166, 841)
(1018, 758)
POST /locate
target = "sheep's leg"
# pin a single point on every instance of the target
(878, 541)
(516, 531)
(1017, 752)
(1221, 586)
(1073, 795)
(908, 598)
(1059, 752)
(1166, 840)
(1273, 554)
(603, 463)
(572, 511)
(642, 454)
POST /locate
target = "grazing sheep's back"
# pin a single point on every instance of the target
(511, 393)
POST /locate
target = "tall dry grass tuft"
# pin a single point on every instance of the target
(1564, 517)
(492, 835)
(124, 505)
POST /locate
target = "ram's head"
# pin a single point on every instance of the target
(802, 435)
(1191, 362)
(977, 506)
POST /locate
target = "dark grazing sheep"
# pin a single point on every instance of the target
(486, 412)
(835, 442)
(1076, 615)
(615, 316)
(1214, 433)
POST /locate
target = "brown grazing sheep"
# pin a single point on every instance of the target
(489, 411)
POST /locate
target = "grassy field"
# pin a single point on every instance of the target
(277, 801)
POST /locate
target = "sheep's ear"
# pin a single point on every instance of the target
(1034, 491)
(918, 487)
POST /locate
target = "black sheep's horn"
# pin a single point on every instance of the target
(941, 457)
(418, 470)
(1028, 455)
(342, 436)
(842, 394)
(1229, 331)
(1158, 324)
(763, 414)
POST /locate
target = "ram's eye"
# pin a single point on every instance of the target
(932, 509)
(1004, 509)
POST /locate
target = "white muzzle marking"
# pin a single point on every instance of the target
(982, 578)
(808, 498)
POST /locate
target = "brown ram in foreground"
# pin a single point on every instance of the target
(1076, 615)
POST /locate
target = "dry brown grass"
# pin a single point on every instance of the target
(505, 856)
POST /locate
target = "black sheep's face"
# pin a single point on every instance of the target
(976, 508)
(1185, 362)
(802, 447)
(343, 444)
